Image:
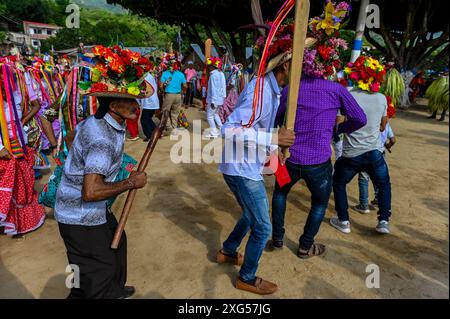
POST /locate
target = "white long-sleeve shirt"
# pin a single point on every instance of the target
(246, 149)
(217, 88)
(152, 102)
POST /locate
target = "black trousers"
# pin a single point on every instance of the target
(147, 122)
(189, 96)
(103, 271)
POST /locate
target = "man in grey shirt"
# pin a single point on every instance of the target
(362, 153)
(85, 223)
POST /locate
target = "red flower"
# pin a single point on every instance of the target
(126, 59)
(375, 87)
(354, 76)
(143, 61)
(139, 71)
(99, 87)
(344, 82)
(102, 68)
(99, 50)
(324, 52)
(117, 49)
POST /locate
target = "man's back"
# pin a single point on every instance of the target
(176, 80)
(367, 138)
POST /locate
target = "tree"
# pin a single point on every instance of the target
(415, 33)
(220, 20)
(106, 28)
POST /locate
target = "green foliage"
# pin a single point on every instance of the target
(394, 86)
(106, 28)
(438, 94)
(347, 35)
(2, 36)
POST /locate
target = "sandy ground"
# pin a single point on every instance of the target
(180, 219)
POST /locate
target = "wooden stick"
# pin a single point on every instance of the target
(142, 166)
(300, 30)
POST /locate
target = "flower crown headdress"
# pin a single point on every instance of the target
(118, 73)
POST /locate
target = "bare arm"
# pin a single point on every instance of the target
(35, 107)
(383, 124)
(95, 188)
(48, 131)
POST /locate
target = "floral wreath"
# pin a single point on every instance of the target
(367, 74)
(118, 73)
(215, 62)
(323, 60)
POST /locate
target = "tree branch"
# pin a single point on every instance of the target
(374, 42)
(428, 64)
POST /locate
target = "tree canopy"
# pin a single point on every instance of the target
(414, 32)
(106, 28)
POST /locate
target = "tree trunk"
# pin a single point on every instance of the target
(407, 76)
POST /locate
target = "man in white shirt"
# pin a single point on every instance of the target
(217, 92)
(149, 107)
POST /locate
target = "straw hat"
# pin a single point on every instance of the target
(149, 91)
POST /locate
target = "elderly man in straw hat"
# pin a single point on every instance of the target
(251, 127)
(85, 222)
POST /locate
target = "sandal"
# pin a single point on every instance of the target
(315, 250)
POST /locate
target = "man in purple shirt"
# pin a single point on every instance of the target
(318, 105)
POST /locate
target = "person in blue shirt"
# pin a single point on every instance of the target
(174, 83)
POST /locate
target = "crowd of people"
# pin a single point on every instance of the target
(80, 112)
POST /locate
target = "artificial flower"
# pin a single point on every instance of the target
(99, 87)
(133, 90)
(363, 85)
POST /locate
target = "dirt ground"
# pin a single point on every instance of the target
(182, 216)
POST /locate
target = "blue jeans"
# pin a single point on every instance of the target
(318, 179)
(363, 184)
(375, 166)
(252, 197)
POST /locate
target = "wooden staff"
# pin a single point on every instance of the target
(142, 166)
(300, 30)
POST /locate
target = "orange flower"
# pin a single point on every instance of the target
(135, 56)
(99, 50)
(102, 68)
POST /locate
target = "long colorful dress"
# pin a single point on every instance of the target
(19, 209)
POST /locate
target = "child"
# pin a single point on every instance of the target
(387, 140)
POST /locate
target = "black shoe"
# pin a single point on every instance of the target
(442, 119)
(128, 292)
(277, 243)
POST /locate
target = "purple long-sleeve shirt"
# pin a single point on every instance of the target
(318, 104)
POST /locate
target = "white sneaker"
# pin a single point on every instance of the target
(383, 227)
(340, 225)
(362, 209)
(133, 139)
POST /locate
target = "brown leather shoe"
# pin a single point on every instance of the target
(261, 287)
(224, 259)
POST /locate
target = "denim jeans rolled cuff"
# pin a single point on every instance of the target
(252, 198)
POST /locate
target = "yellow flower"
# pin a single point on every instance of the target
(363, 85)
(348, 70)
(133, 90)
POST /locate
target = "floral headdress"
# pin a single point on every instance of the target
(214, 61)
(367, 74)
(324, 59)
(118, 73)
